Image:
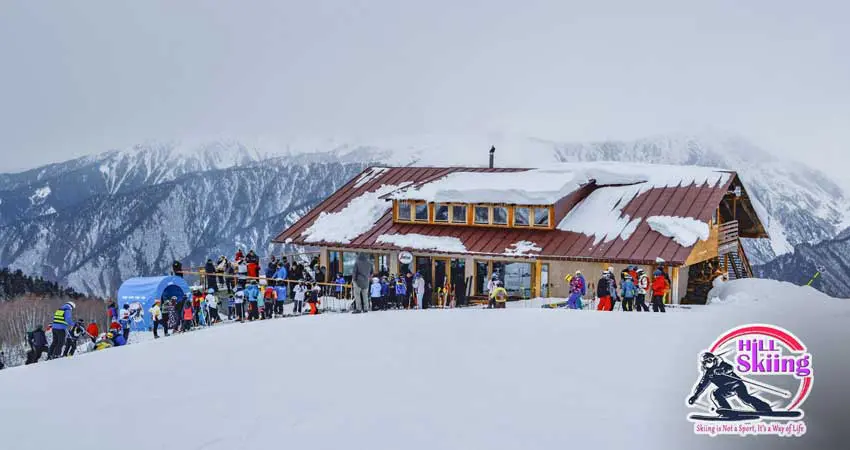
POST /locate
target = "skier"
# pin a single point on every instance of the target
(340, 283)
(577, 289)
(238, 303)
(169, 315)
(419, 289)
(300, 295)
(612, 287)
(375, 293)
(112, 313)
(188, 316)
(252, 292)
(156, 317)
(93, 331)
(629, 291)
(124, 320)
(212, 304)
(271, 302)
(74, 334)
(659, 288)
(260, 313)
(500, 295)
(280, 275)
(491, 287)
(603, 293)
(61, 321)
(401, 292)
(642, 289)
(38, 344)
(729, 384)
(313, 299)
(360, 280)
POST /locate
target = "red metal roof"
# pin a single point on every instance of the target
(643, 246)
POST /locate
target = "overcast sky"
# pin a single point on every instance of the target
(85, 76)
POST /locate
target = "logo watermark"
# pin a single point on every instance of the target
(753, 381)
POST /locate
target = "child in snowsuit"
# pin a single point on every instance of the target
(629, 292)
(401, 292)
(188, 316)
(300, 295)
(642, 289)
(375, 293)
(340, 282)
(500, 295)
(577, 290)
(313, 300)
(239, 304)
(270, 304)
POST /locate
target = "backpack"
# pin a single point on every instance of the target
(269, 294)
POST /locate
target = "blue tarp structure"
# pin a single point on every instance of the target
(145, 290)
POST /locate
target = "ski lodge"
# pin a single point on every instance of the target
(459, 226)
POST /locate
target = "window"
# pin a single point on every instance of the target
(521, 216)
(441, 213)
(334, 264)
(458, 214)
(482, 215)
(348, 260)
(404, 212)
(481, 277)
(500, 215)
(541, 217)
(421, 212)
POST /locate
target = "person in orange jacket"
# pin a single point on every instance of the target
(93, 331)
(659, 288)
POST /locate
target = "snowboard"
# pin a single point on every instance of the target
(555, 305)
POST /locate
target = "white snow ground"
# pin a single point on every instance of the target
(521, 378)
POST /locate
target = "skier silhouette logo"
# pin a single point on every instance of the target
(752, 394)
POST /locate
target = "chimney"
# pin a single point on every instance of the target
(492, 155)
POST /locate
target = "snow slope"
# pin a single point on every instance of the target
(459, 379)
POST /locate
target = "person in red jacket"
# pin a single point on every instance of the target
(659, 288)
(93, 331)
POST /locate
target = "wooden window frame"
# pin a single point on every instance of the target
(530, 215)
(428, 208)
(475, 222)
(396, 208)
(507, 216)
(548, 225)
(448, 213)
(452, 220)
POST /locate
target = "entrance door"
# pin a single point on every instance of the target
(442, 282)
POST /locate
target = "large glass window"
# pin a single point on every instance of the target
(481, 277)
(482, 215)
(517, 279)
(383, 262)
(544, 280)
(521, 216)
(404, 211)
(421, 212)
(500, 215)
(541, 217)
(458, 214)
(441, 213)
(348, 260)
(334, 264)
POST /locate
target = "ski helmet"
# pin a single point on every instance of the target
(71, 304)
(211, 291)
(709, 360)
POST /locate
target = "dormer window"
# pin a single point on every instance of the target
(482, 215)
(541, 217)
(459, 214)
(500, 215)
(421, 212)
(521, 216)
(404, 212)
(441, 213)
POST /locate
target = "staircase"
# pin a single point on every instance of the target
(733, 260)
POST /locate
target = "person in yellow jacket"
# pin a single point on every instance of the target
(156, 316)
(500, 295)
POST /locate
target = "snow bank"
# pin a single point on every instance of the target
(684, 230)
(448, 244)
(435, 379)
(545, 186)
(356, 218)
(522, 248)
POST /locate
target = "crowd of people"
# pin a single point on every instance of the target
(240, 292)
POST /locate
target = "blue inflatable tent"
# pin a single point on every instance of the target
(147, 289)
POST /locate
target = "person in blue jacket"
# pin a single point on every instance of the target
(118, 339)
(340, 282)
(281, 275)
(62, 320)
(252, 292)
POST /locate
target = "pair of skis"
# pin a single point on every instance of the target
(731, 415)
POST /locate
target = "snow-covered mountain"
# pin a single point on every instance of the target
(92, 221)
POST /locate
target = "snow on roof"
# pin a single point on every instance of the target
(448, 244)
(600, 214)
(522, 248)
(356, 218)
(684, 230)
(545, 186)
(372, 174)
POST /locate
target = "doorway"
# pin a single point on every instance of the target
(423, 266)
(442, 282)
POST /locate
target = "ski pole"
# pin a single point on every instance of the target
(782, 393)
